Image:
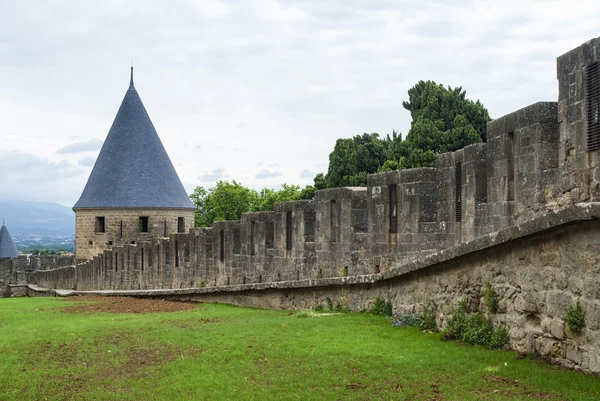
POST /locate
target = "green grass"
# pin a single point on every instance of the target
(221, 352)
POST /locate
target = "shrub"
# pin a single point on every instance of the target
(499, 337)
(456, 323)
(405, 319)
(329, 304)
(381, 307)
(477, 330)
(575, 318)
(428, 319)
(474, 328)
(318, 308)
(340, 306)
(491, 298)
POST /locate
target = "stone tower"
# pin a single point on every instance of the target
(133, 192)
(7, 246)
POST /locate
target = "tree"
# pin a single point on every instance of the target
(267, 198)
(229, 200)
(226, 201)
(320, 181)
(443, 119)
(353, 158)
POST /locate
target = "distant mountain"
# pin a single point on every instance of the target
(37, 218)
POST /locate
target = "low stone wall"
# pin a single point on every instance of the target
(4, 289)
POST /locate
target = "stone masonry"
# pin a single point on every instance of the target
(519, 212)
(122, 226)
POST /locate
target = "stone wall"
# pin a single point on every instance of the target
(430, 234)
(18, 270)
(122, 226)
(537, 277)
(400, 216)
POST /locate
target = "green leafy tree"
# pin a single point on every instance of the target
(229, 200)
(353, 159)
(320, 181)
(226, 201)
(267, 198)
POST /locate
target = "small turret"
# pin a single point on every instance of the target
(8, 249)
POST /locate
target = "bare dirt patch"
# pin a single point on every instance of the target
(509, 387)
(93, 304)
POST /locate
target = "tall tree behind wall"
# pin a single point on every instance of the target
(443, 120)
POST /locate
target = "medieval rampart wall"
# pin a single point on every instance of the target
(536, 163)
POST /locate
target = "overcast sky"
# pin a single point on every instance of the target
(257, 91)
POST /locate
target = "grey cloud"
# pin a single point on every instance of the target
(307, 174)
(267, 174)
(214, 175)
(92, 144)
(87, 161)
(51, 181)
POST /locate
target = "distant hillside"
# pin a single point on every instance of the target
(37, 218)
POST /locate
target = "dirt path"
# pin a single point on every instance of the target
(92, 304)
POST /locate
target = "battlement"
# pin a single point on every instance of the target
(535, 161)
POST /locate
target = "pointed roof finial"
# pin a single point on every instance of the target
(131, 80)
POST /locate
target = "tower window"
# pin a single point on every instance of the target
(592, 88)
(333, 220)
(510, 163)
(100, 226)
(143, 224)
(288, 231)
(222, 245)
(393, 208)
(458, 192)
(270, 235)
(252, 249)
(180, 224)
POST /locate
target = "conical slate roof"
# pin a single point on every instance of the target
(7, 246)
(133, 169)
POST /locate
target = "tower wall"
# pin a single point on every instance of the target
(122, 226)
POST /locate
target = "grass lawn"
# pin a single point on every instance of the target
(221, 352)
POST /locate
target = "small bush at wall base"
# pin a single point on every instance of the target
(381, 307)
(405, 319)
(456, 323)
(575, 318)
(319, 308)
(474, 328)
(329, 304)
(499, 337)
(428, 322)
(477, 330)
